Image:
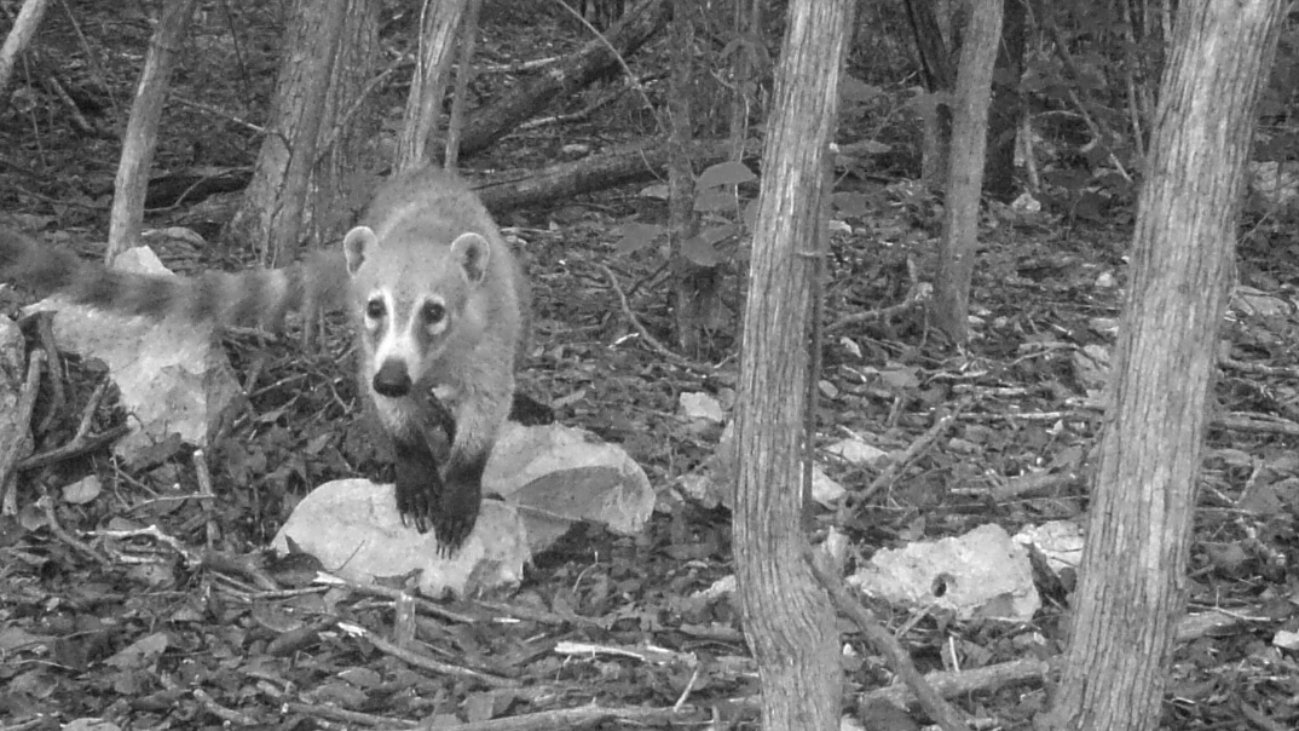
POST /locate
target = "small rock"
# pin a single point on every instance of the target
(855, 451)
(966, 574)
(696, 405)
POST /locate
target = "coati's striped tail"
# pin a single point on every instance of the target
(259, 298)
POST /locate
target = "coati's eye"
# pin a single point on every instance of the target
(433, 312)
(374, 309)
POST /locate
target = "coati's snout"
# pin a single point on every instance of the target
(392, 379)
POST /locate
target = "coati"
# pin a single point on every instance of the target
(440, 311)
(440, 305)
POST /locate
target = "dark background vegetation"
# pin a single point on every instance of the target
(128, 641)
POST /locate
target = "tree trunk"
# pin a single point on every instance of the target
(788, 620)
(1007, 103)
(437, 45)
(141, 138)
(693, 286)
(21, 34)
(1144, 489)
(465, 71)
(940, 77)
(744, 65)
(965, 177)
(272, 212)
(349, 128)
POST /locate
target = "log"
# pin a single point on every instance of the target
(641, 163)
(492, 122)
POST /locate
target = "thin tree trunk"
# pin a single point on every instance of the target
(965, 175)
(141, 138)
(746, 23)
(1143, 494)
(29, 19)
(692, 285)
(940, 76)
(1007, 103)
(456, 126)
(428, 86)
(348, 129)
(788, 620)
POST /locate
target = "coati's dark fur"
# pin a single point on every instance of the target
(440, 311)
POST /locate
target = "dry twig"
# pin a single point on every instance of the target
(423, 661)
(913, 450)
(887, 645)
(10, 462)
(650, 340)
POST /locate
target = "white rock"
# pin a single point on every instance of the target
(964, 574)
(698, 405)
(354, 528)
(172, 375)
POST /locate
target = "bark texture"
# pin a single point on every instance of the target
(428, 86)
(788, 620)
(20, 35)
(349, 129)
(965, 174)
(1126, 609)
(274, 206)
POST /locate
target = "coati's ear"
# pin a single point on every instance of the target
(473, 252)
(358, 244)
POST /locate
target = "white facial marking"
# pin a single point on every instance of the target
(398, 340)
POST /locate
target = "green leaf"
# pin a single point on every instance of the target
(701, 252)
(711, 201)
(855, 90)
(636, 236)
(725, 173)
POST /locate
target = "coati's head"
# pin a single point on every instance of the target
(413, 300)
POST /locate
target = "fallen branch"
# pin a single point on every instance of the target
(886, 644)
(645, 335)
(45, 330)
(514, 189)
(950, 685)
(423, 661)
(82, 442)
(46, 504)
(913, 450)
(921, 293)
(492, 122)
(570, 718)
(19, 443)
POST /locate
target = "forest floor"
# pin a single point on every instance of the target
(96, 629)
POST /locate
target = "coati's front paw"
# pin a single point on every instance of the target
(416, 497)
(424, 500)
(455, 518)
(419, 485)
